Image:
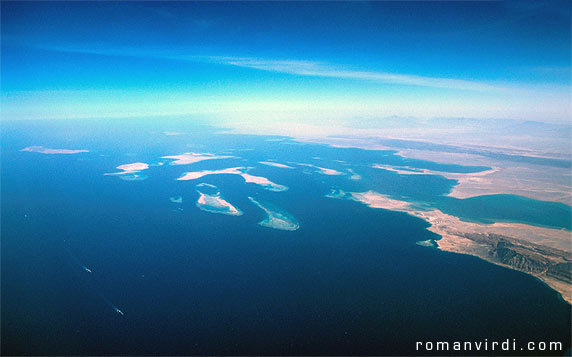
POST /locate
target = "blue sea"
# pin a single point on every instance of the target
(349, 281)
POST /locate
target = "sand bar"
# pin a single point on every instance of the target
(191, 158)
(43, 150)
(240, 171)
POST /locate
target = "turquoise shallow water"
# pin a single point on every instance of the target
(509, 208)
(350, 280)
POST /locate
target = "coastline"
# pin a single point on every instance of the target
(538, 251)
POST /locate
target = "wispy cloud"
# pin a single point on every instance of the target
(318, 69)
(462, 98)
(298, 67)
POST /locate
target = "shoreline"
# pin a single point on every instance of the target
(537, 251)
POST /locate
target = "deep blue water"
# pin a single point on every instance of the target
(351, 280)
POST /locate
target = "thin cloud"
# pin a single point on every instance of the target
(312, 69)
(317, 69)
(297, 67)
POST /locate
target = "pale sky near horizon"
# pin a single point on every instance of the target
(304, 60)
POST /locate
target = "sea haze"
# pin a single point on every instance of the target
(78, 245)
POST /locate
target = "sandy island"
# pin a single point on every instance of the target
(275, 164)
(240, 171)
(43, 150)
(191, 158)
(215, 203)
(276, 219)
(130, 168)
(323, 170)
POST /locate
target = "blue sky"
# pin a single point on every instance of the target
(425, 59)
